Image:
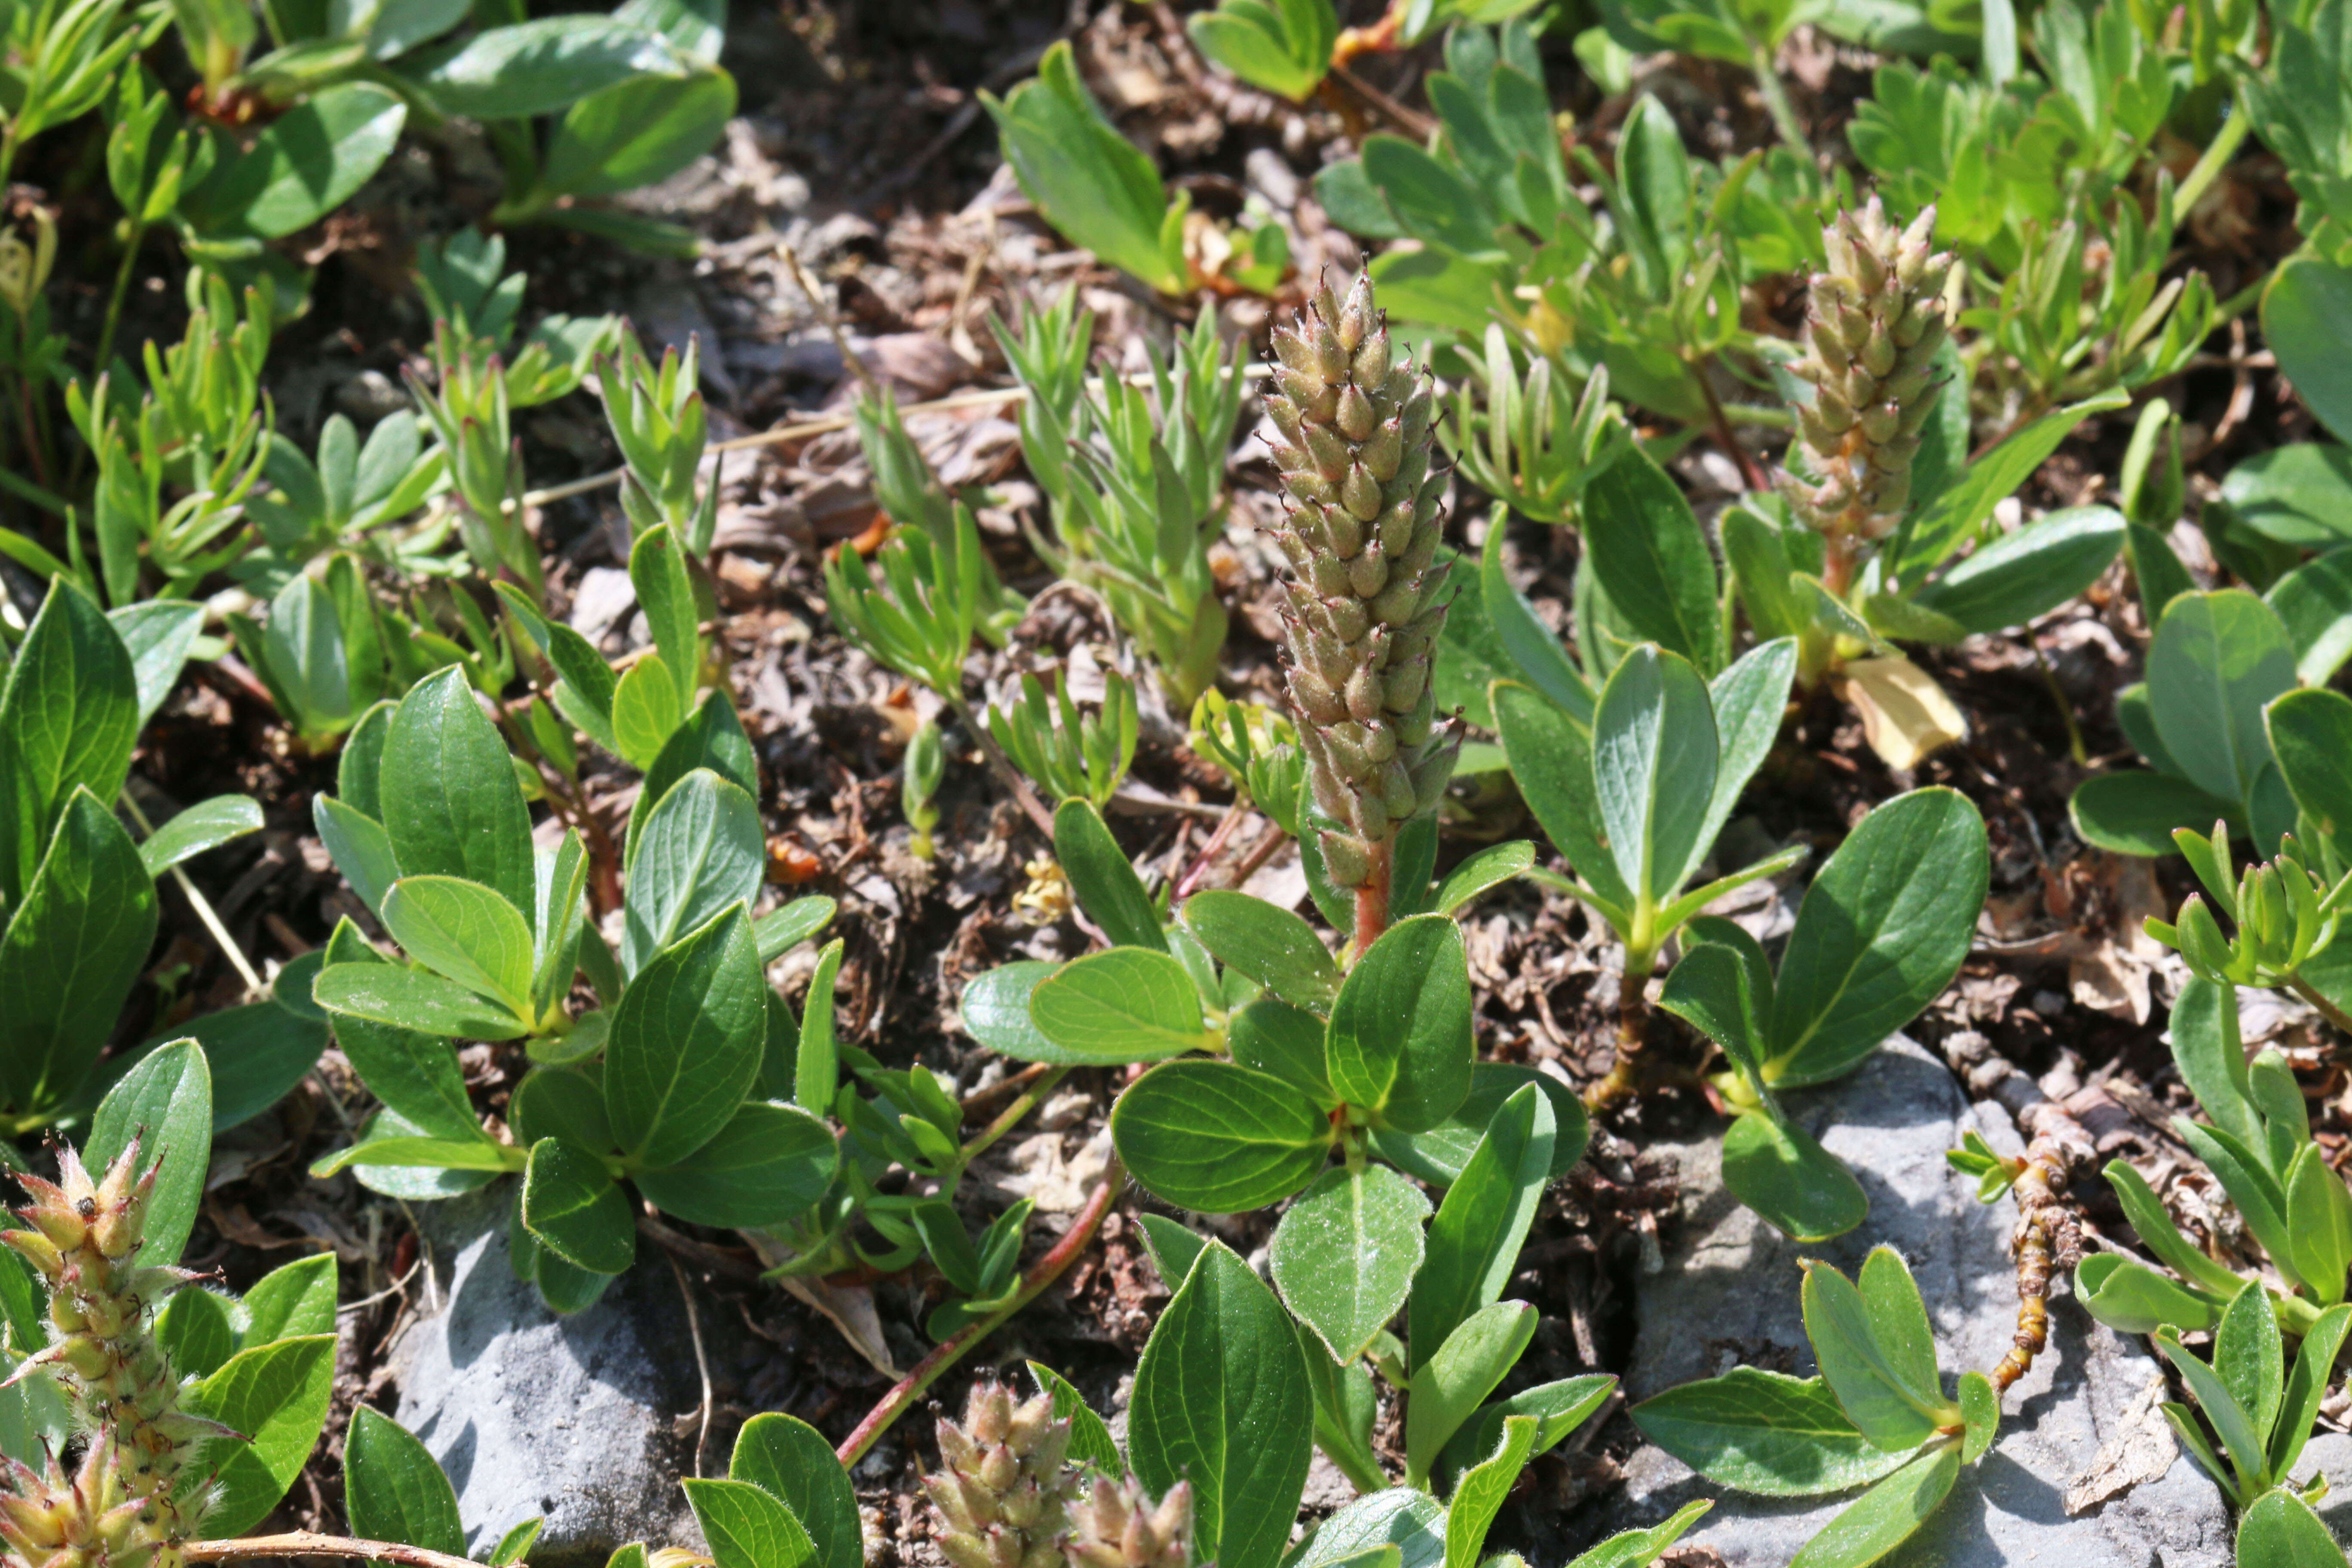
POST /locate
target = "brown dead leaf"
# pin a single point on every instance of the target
(1905, 716)
(2141, 1449)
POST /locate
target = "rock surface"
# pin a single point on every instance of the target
(569, 1418)
(1729, 1293)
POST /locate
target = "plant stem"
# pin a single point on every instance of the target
(1623, 1078)
(1373, 898)
(203, 906)
(1001, 765)
(927, 1371)
(1010, 1117)
(99, 360)
(1776, 98)
(2057, 694)
(1751, 472)
(310, 1543)
(2327, 1010)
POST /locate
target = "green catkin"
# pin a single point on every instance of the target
(1115, 1524)
(1878, 315)
(1361, 535)
(122, 1506)
(1004, 1491)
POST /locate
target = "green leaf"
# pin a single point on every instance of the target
(816, 1054)
(194, 1329)
(1172, 1247)
(71, 951)
(1448, 1386)
(1718, 991)
(1344, 1255)
(790, 1462)
(1091, 182)
(1887, 1514)
(2311, 733)
(1438, 1155)
(1123, 1004)
(780, 930)
(1881, 933)
(158, 634)
(359, 848)
(1652, 557)
(2217, 660)
(303, 165)
(412, 1000)
(2306, 1385)
(637, 133)
(290, 1301)
(995, 1009)
(1474, 1243)
(452, 806)
(1284, 46)
(1218, 1138)
(1271, 945)
(1220, 1400)
(1403, 1527)
(1102, 879)
(276, 1395)
(69, 716)
(1928, 536)
(1765, 1433)
(207, 825)
(2133, 1299)
(646, 710)
(516, 1543)
(1979, 1412)
(1481, 874)
(2307, 315)
(2135, 813)
(2280, 1532)
(1551, 761)
(746, 1527)
(1399, 1044)
(1091, 1443)
(2029, 573)
(465, 932)
(1557, 1408)
(414, 1073)
(658, 570)
(2240, 1436)
(429, 1153)
(165, 1104)
(259, 1051)
(2250, 1358)
(2260, 1198)
(685, 1043)
(1640, 1548)
(1479, 1495)
(1534, 653)
(1869, 1384)
(1276, 1037)
(700, 850)
(394, 1489)
(2319, 1222)
(1653, 765)
(1782, 1170)
(769, 1164)
(1899, 1321)
(573, 1208)
(540, 66)
(2293, 494)
(2314, 603)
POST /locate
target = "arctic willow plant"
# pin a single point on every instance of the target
(1877, 1416)
(78, 901)
(1215, 1459)
(103, 1351)
(1285, 1071)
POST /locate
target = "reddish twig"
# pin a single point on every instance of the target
(1048, 1269)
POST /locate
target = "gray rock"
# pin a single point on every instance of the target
(569, 1418)
(1729, 1293)
(2329, 1454)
